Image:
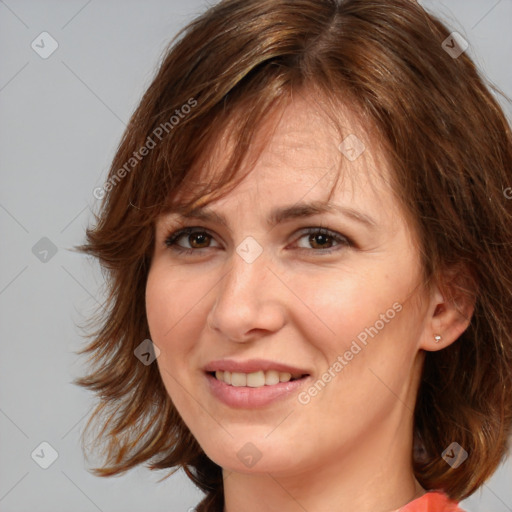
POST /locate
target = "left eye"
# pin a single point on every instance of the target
(197, 237)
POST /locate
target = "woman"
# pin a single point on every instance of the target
(308, 251)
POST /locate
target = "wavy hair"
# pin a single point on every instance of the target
(450, 149)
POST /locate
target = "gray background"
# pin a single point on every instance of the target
(61, 120)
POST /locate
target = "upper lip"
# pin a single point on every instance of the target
(251, 366)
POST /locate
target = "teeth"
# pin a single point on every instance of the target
(255, 379)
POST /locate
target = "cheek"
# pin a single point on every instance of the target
(169, 316)
(170, 313)
(361, 313)
(158, 306)
(170, 300)
(340, 303)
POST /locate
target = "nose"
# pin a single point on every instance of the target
(249, 301)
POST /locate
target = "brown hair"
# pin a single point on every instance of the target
(450, 149)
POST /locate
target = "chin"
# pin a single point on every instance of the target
(257, 456)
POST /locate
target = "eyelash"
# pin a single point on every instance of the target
(172, 238)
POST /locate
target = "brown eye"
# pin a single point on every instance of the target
(322, 240)
(196, 237)
(200, 237)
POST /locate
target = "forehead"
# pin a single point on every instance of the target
(306, 144)
(302, 152)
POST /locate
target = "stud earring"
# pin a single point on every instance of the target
(437, 338)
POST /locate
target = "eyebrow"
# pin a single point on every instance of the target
(282, 214)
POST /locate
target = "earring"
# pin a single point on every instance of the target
(437, 338)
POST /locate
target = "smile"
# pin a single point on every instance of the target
(247, 391)
(255, 379)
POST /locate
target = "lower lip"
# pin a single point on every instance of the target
(249, 398)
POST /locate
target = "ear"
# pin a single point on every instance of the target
(452, 303)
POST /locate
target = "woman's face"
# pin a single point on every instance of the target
(336, 306)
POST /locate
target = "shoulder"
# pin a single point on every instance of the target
(432, 501)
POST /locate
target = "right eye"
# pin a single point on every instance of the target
(193, 233)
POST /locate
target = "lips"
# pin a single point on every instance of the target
(239, 384)
(251, 395)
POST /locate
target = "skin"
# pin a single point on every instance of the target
(349, 448)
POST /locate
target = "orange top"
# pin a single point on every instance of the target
(432, 501)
